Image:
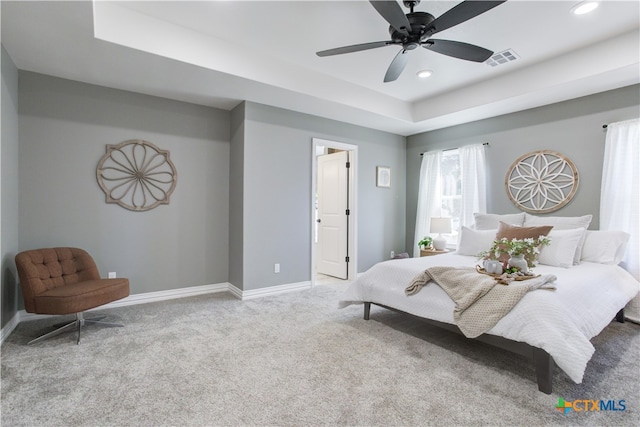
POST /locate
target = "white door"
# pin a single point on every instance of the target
(333, 220)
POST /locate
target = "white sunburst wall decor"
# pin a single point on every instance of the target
(542, 181)
(136, 175)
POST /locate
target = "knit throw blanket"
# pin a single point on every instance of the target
(480, 301)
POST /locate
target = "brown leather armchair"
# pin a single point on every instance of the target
(63, 281)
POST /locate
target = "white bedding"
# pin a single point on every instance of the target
(586, 299)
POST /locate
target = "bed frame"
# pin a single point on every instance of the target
(542, 361)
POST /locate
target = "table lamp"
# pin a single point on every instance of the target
(440, 225)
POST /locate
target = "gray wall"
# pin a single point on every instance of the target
(64, 128)
(277, 193)
(9, 202)
(242, 201)
(236, 195)
(573, 128)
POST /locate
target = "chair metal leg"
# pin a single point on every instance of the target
(77, 324)
(53, 333)
(80, 322)
(105, 324)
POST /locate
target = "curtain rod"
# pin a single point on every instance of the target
(486, 144)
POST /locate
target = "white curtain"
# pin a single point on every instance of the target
(473, 177)
(429, 196)
(620, 195)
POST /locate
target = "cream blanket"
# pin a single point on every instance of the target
(480, 302)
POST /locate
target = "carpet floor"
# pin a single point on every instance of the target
(294, 360)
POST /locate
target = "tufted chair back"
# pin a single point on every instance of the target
(43, 269)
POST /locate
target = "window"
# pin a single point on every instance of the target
(451, 192)
(452, 184)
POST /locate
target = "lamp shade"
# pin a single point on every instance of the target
(440, 225)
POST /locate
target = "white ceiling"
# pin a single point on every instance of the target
(219, 53)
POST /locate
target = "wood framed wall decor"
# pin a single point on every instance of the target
(136, 175)
(541, 181)
(383, 176)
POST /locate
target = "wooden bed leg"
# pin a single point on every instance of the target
(367, 310)
(544, 369)
(620, 316)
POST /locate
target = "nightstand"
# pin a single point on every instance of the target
(431, 252)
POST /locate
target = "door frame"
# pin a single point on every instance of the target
(352, 236)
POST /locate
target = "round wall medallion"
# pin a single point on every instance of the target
(541, 181)
(137, 175)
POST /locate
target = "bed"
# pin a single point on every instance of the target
(552, 327)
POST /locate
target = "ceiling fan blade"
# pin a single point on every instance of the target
(460, 13)
(397, 66)
(393, 14)
(459, 50)
(353, 48)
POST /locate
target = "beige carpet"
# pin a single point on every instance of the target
(294, 360)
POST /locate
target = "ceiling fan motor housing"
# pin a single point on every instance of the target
(419, 23)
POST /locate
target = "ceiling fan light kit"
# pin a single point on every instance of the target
(415, 29)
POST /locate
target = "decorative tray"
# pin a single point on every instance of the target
(505, 278)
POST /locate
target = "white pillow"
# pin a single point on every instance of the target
(562, 249)
(562, 223)
(492, 221)
(472, 242)
(604, 247)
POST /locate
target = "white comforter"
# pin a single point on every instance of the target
(561, 322)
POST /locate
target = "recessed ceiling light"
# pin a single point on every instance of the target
(423, 74)
(584, 7)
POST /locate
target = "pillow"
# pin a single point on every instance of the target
(558, 222)
(472, 242)
(491, 221)
(604, 247)
(562, 223)
(562, 249)
(514, 232)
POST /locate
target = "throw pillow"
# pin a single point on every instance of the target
(472, 242)
(562, 249)
(511, 232)
(562, 223)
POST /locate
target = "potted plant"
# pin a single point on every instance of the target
(425, 243)
(522, 253)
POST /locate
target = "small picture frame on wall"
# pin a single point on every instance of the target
(383, 176)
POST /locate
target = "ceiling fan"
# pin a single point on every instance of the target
(415, 29)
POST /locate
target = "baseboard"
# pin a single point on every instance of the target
(23, 316)
(146, 298)
(9, 327)
(271, 290)
(167, 295)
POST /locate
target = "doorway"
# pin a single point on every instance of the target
(333, 207)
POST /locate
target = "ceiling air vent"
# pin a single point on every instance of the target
(502, 58)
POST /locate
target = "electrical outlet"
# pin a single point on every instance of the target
(276, 268)
(112, 275)
(393, 254)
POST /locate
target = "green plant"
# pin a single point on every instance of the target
(528, 247)
(425, 242)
